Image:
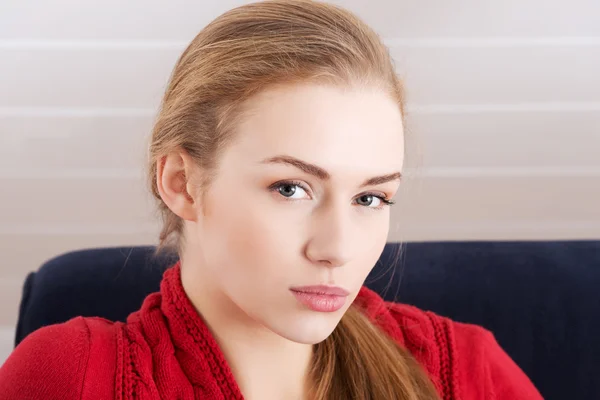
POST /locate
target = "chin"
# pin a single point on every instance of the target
(308, 329)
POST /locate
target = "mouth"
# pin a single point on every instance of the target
(321, 298)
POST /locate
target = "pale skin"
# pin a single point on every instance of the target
(247, 242)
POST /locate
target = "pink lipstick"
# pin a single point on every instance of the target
(321, 298)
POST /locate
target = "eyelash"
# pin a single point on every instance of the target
(384, 200)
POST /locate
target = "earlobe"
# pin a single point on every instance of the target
(172, 177)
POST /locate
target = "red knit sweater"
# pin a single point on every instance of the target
(165, 351)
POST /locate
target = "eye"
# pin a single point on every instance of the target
(296, 190)
(373, 201)
(290, 190)
(368, 200)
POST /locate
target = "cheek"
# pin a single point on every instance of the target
(372, 245)
(249, 241)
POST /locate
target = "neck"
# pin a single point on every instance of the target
(264, 364)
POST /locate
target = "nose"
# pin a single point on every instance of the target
(332, 240)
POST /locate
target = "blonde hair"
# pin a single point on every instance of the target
(239, 54)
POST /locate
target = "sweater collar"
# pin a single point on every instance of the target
(191, 334)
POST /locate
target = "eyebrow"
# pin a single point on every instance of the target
(322, 174)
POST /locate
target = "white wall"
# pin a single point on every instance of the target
(504, 102)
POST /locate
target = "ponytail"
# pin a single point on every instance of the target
(360, 361)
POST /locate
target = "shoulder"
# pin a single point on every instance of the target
(52, 362)
(481, 359)
(467, 359)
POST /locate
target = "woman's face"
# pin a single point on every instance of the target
(297, 202)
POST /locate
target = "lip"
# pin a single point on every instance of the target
(321, 298)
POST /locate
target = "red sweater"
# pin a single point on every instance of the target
(165, 351)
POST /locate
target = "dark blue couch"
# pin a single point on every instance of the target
(541, 299)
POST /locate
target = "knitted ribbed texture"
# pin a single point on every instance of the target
(446, 386)
(178, 348)
(168, 333)
(417, 331)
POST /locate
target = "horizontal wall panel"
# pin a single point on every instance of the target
(73, 143)
(81, 201)
(108, 19)
(468, 18)
(497, 207)
(88, 78)
(499, 75)
(513, 140)
(181, 19)
(136, 78)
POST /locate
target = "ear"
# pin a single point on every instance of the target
(173, 175)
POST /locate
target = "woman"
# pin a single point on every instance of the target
(275, 156)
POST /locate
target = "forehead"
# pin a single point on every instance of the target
(338, 128)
